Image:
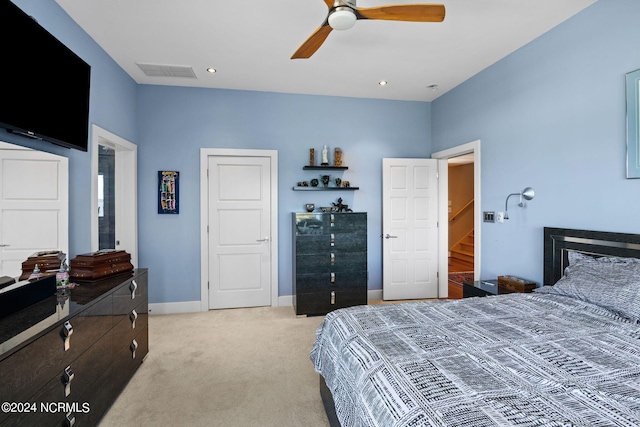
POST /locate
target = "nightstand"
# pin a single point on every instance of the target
(480, 288)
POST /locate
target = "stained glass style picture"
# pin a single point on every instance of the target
(168, 185)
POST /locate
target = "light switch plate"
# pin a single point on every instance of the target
(489, 216)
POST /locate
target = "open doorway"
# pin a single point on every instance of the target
(461, 222)
(114, 212)
(460, 155)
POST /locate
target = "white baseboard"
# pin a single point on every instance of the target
(175, 307)
(196, 306)
(375, 294)
(285, 301)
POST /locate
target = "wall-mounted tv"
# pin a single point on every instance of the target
(44, 86)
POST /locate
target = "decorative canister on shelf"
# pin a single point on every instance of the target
(312, 157)
(337, 156)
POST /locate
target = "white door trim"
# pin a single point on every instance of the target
(443, 246)
(205, 153)
(126, 189)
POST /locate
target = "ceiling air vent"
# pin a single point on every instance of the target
(157, 70)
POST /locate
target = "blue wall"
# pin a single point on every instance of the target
(551, 116)
(176, 122)
(112, 107)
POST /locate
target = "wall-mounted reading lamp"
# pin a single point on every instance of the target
(527, 194)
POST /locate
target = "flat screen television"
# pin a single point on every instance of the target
(44, 86)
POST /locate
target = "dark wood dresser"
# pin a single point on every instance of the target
(329, 261)
(65, 359)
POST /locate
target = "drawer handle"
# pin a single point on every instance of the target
(133, 347)
(333, 258)
(333, 219)
(333, 297)
(65, 333)
(333, 277)
(333, 239)
(133, 317)
(133, 286)
(67, 377)
(69, 419)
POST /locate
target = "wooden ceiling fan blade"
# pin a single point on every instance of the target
(329, 3)
(404, 12)
(313, 43)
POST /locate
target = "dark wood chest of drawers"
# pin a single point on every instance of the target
(64, 360)
(329, 261)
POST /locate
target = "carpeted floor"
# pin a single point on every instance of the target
(241, 367)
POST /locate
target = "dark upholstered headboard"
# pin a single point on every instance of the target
(559, 241)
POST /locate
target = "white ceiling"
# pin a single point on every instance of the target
(250, 43)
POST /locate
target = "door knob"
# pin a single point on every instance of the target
(388, 236)
(266, 239)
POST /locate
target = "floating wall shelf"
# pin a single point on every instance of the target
(324, 188)
(320, 168)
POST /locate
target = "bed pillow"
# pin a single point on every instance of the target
(609, 282)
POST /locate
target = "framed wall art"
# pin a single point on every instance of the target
(168, 192)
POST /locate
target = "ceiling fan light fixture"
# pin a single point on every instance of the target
(342, 18)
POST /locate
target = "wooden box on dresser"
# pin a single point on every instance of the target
(329, 261)
(64, 360)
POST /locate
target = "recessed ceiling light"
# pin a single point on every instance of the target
(382, 82)
(211, 70)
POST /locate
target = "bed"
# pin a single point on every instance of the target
(565, 355)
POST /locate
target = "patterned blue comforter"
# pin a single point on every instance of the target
(509, 360)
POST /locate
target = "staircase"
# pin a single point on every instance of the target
(461, 254)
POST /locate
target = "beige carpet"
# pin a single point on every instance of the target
(241, 367)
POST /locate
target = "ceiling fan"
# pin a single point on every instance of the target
(343, 15)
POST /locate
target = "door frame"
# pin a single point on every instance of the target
(443, 246)
(205, 153)
(126, 188)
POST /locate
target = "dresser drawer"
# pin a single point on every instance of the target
(130, 356)
(30, 368)
(346, 223)
(336, 242)
(320, 282)
(130, 324)
(127, 297)
(77, 379)
(331, 262)
(326, 301)
(327, 223)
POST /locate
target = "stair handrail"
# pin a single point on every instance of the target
(459, 212)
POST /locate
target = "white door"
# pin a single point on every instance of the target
(240, 244)
(410, 228)
(34, 205)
